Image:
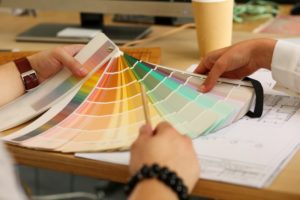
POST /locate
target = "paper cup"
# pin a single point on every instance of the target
(213, 19)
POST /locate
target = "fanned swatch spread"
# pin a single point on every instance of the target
(105, 113)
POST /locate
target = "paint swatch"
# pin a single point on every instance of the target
(106, 113)
(33, 103)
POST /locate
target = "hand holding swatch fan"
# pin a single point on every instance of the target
(106, 112)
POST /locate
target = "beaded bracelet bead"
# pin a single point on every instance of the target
(162, 174)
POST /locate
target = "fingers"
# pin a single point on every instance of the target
(69, 61)
(146, 130)
(163, 127)
(211, 64)
(202, 68)
(73, 49)
(208, 62)
(217, 70)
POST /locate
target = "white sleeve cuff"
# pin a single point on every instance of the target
(286, 65)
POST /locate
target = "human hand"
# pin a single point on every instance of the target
(49, 62)
(236, 62)
(166, 147)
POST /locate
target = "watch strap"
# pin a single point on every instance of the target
(28, 75)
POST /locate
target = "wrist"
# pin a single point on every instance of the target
(34, 66)
(152, 189)
(264, 53)
(169, 178)
(27, 74)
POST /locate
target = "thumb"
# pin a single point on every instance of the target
(146, 130)
(73, 49)
(74, 66)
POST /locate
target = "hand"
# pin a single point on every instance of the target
(236, 61)
(49, 62)
(166, 147)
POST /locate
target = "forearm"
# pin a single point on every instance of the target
(152, 189)
(11, 85)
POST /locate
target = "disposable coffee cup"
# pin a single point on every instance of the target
(213, 19)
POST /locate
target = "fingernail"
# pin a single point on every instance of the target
(149, 128)
(83, 71)
(146, 129)
(142, 128)
(202, 88)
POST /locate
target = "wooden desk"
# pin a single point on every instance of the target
(179, 50)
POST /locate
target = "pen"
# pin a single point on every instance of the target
(145, 105)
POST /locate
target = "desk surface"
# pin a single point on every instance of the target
(178, 54)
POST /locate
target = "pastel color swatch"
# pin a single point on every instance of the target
(107, 111)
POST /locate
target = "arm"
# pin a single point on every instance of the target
(166, 147)
(237, 61)
(246, 57)
(45, 63)
(11, 85)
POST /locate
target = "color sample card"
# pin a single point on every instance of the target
(92, 56)
(107, 111)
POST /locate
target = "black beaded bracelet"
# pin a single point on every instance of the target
(160, 173)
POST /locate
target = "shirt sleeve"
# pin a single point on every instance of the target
(286, 67)
(10, 188)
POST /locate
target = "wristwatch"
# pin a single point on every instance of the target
(28, 75)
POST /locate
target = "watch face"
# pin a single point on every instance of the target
(30, 80)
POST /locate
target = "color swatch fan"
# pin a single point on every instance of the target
(49, 93)
(106, 112)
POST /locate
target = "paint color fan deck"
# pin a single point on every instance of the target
(106, 112)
